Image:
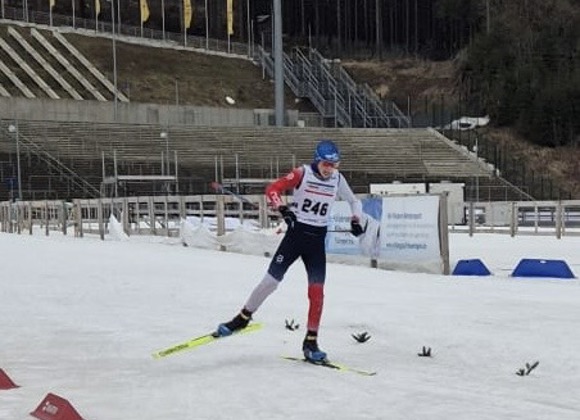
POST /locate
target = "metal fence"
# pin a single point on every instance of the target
(103, 27)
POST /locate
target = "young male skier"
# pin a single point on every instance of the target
(316, 186)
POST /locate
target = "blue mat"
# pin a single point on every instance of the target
(543, 268)
(473, 267)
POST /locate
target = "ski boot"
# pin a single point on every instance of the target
(310, 348)
(240, 321)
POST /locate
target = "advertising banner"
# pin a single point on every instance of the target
(339, 239)
(401, 232)
(409, 233)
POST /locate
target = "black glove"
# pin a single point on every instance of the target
(355, 228)
(288, 215)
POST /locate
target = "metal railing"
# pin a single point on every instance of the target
(106, 28)
(24, 142)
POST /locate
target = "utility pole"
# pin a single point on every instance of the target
(487, 16)
(378, 29)
(114, 59)
(73, 13)
(278, 64)
(25, 10)
(206, 26)
(338, 27)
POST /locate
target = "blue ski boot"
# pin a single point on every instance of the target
(310, 348)
(240, 321)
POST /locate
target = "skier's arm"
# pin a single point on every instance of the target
(288, 182)
(345, 193)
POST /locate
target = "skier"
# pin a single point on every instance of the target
(316, 186)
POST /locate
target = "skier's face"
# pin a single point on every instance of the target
(326, 168)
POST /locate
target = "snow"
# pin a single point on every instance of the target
(81, 317)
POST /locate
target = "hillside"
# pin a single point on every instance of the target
(421, 83)
(148, 74)
(406, 80)
(561, 163)
(164, 75)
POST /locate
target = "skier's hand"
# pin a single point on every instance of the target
(288, 216)
(355, 227)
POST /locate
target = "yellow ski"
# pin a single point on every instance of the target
(201, 341)
(332, 365)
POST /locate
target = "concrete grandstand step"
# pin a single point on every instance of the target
(255, 152)
(89, 66)
(16, 80)
(29, 70)
(4, 92)
(43, 63)
(67, 65)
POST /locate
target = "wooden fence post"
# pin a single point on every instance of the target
(30, 209)
(471, 218)
(100, 219)
(220, 218)
(152, 221)
(47, 219)
(444, 233)
(166, 214)
(182, 208)
(559, 217)
(79, 219)
(513, 219)
(125, 216)
(64, 218)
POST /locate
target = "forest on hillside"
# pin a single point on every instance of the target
(517, 60)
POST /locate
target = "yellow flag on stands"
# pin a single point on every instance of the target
(97, 7)
(230, 16)
(52, 3)
(187, 13)
(144, 11)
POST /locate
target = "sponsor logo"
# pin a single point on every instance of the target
(320, 187)
(332, 157)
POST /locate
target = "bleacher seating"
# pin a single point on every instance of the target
(380, 155)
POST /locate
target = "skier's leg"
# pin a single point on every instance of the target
(315, 263)
(285, 255)
(261, 292)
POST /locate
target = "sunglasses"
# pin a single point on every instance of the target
(329, 165)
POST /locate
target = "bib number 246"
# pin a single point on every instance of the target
(317, 208)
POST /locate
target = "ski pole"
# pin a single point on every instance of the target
(222, 190)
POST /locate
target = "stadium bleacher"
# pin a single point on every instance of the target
(246, 152)
(67, 159)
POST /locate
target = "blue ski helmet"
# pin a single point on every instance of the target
(327, 151)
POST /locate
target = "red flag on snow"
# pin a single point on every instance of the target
(5, 381)
(54, 407)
